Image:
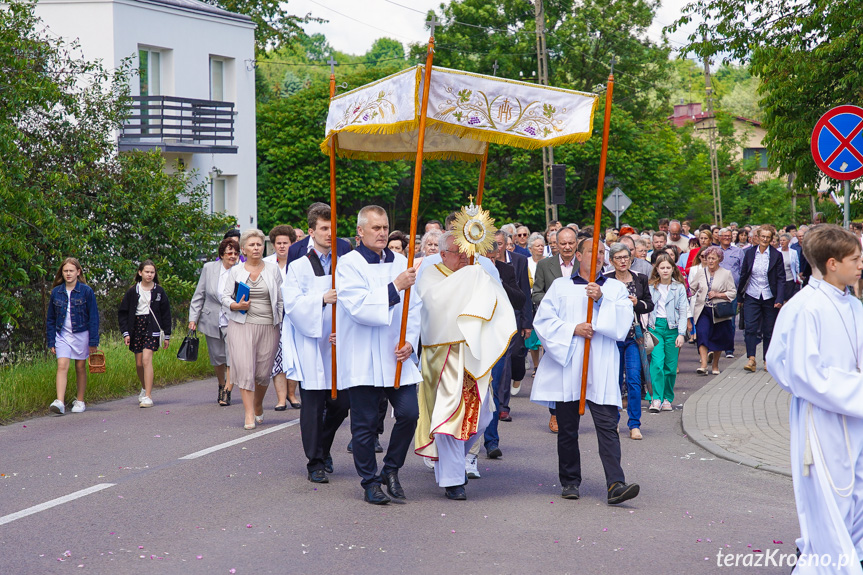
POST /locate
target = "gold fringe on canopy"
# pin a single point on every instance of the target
(466, 111)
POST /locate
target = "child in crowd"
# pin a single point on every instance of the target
(73, 330)
(143, 313)
(817, 355)
(668, 323)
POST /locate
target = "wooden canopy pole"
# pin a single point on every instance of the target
(334, 252)
(481, 186)
(418, 174)
(597, 217)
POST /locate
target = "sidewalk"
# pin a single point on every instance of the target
(742, 417)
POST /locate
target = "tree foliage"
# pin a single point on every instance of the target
(807, 54)
(275, 26)
(64, 191)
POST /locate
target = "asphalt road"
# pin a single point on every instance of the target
(140, 504)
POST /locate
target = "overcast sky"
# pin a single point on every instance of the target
(354, 24)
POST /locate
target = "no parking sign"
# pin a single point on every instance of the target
(837, 143)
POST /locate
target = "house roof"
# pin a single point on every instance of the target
(698, 118)
(198, 6)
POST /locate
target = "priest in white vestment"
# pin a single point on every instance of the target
(467, 324)
(307, 330)
(560, 323)
(370, 284)
(817, 355)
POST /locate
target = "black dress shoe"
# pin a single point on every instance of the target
(620, 492)
(569, 492)
(351, 446)
(494, 452)
(394, 488)
(328, 463)
(505, 416)
(376, 496)
(378, 447)
(294, 404)
(456, 493)
(318, 476)
(281, 407)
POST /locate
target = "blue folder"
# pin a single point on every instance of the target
(241, 290)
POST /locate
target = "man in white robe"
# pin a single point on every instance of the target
(467, 324)
(560, 323)
(370, 283)
(307, 329)
(817, 355)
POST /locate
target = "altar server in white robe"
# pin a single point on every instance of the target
(370, 283)
(467, 324)
(817, 355)
(307, 329)
(560, 323)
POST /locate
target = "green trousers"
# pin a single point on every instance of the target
(663, 361)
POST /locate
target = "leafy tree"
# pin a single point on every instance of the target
(64, 191)
(383, 50)
(807, 54)
(293, 83)
(581, 39)
(274, 25)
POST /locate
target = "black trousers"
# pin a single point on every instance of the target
(504, 391)
(365, 405)
(605, 419)
(760, 318)
(320, 418)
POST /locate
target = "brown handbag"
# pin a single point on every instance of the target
(96, 362)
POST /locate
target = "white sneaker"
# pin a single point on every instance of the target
(666, 406)
(57, 407)
(142, 395)
(654, 406)
(470, 466)
(514, 389)
(145, 402)
(428, 463)
(729, 356)
(78, 406)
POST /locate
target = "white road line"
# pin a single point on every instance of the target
(255, 435)
(54, 503)
(84, 492)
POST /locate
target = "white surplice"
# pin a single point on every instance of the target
(558, 377)
(367, 327)
(815, 352)
(308, 325)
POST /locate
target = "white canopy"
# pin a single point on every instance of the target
(380, 121)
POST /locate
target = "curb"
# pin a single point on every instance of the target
(693, 432)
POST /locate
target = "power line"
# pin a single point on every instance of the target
(359, 21)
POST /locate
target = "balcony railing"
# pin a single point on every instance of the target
(174, 124)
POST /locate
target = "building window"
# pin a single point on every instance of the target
(150, 72)
(758, 154)
(217, 80)
(220, 192)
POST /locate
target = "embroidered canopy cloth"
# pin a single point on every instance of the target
(380, 121)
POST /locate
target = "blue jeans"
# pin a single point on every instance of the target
(630, 366)
(490, 435)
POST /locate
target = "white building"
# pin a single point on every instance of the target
(194, 95)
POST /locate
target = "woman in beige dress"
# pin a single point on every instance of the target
(254, 324)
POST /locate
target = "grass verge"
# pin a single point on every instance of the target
(28, 389)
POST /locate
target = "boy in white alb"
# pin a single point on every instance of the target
(817, 355)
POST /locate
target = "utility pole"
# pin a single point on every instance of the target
(542, 72)
(714, 163)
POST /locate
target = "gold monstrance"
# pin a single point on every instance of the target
(474, 230)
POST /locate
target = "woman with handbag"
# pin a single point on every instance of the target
(630, 360)
(207, 315)
(72, 330)
(667, 323)
(713, 288)
(145, 321)
(254, 324)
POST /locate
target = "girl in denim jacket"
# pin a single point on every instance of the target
(667, 323)
(72, 330)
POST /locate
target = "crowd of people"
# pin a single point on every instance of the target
(473, 332)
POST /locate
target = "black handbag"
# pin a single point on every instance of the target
(189, 348)
(723, 310)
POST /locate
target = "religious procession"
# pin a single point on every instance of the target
(431, 331)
